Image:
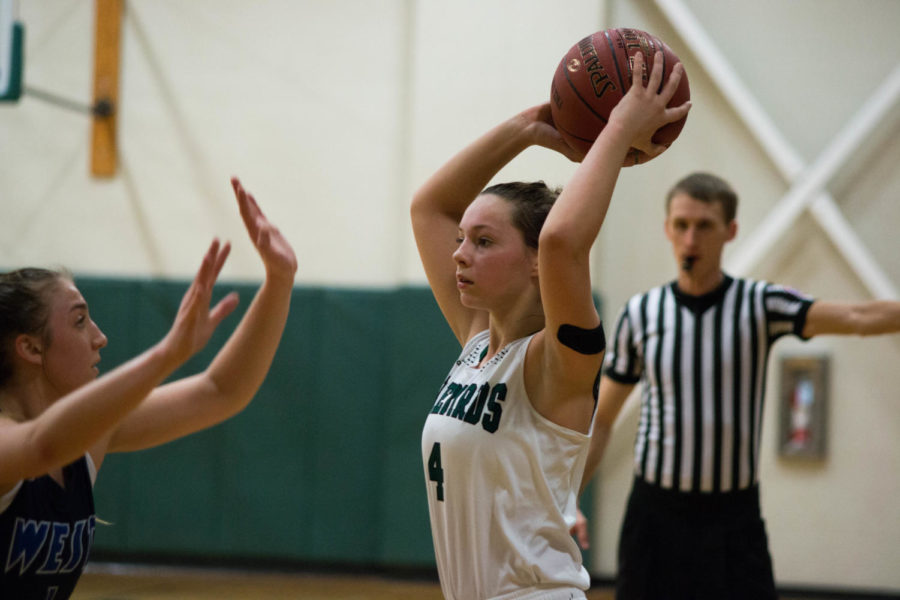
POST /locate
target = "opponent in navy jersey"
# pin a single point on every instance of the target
(57, 418)
(47, 530)
(698, 347)
(508, 266)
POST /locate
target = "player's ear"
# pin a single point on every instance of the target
(29, 348)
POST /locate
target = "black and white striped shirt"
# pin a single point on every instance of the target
(702, 364)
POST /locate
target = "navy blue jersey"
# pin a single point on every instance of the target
(46, 534)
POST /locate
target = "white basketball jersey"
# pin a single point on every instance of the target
(502, 483)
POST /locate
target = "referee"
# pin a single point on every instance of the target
(699, 347)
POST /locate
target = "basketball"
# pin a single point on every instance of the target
(596, 73)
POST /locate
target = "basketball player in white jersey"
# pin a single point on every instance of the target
(506, 440)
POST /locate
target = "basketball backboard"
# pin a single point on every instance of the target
(12, 34)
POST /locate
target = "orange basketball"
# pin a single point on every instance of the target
(596, 73)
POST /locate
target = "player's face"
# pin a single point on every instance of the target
(493, 264)
(698, 233)
(70, 358)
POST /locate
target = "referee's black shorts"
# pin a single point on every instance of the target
(687, 546)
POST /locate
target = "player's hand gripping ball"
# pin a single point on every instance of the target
(596, 73)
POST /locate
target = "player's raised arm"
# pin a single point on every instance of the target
(437, 207)
(237, 371)
(572, 227)
(87, 410)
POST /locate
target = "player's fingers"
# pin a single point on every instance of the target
(584, 539)
(220, 258)
(579, 531)
(222, 309)
(572, 154)
(637, 70)
(247, 206)
(678, 112)
(548, 136)
(200, 286)
(239, 193)
(544, 113)
(672, 83)
(656, 72)
(254, 210)
(208, 265)
(561, 146)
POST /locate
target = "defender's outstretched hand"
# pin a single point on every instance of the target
(184, 406)
(276, 253)
(195, 322)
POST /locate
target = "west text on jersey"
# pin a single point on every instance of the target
(64, 546)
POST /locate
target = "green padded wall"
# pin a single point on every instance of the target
(323, 467)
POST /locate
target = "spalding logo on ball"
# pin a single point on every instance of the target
(594, 75)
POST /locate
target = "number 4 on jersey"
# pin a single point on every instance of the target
(435, 472)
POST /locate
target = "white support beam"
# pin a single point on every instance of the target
(830, 219)
(810, 184)
(786, 159)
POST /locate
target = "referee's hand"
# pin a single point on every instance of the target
(580, 530)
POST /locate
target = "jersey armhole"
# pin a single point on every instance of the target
(7, 498)
(92, 469)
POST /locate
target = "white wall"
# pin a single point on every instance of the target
(334, 111)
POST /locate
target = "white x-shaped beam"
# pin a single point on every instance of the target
(807, 183)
